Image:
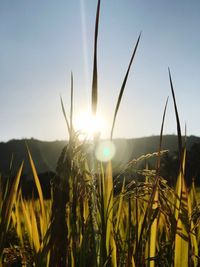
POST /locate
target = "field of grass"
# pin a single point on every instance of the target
(86, 223)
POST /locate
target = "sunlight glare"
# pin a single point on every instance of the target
(88, 124)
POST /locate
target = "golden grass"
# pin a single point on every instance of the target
(147, 223)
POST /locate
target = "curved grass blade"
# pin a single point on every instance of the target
(161, 137)
(181, 237)
(181, 249)
(95, 73)
(154, 207)
(40, 193)
(26, 220)
(7, 207)
(180, 148)
(123, 87)
(65, 116)
(71, 104)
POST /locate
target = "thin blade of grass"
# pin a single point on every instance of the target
(27, 220)
(19, 224)
(154, 226)
(39, 189)
(7, 207)
(65, 116)
(120, 206)
(181, 238)
(95, 72)
(180, 148)
(110, 242)
(154, 230)
(108, 202)
(71, 105)
(123, 87)
(181, 254)
(153, 204)
(34, 227)
(161, 137)
(12, 196)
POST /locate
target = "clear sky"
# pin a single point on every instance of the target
(41, 41)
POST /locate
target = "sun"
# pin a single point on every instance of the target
(88, 124)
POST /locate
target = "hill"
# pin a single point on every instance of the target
(46, 154)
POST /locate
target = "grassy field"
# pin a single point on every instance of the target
(86, 224)
(147, 223)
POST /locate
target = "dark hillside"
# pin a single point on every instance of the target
(45, 154)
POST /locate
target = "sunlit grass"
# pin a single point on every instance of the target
(94, 219)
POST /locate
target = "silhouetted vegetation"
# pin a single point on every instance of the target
(46, 155)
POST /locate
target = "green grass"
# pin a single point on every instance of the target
(148, 223)
(145, 224)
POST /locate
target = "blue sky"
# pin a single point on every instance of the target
(43, 40)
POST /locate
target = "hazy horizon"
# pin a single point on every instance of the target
(43, 41)
(116, 138)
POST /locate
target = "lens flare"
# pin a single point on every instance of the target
(105, 151)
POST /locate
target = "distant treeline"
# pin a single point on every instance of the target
(46, 154)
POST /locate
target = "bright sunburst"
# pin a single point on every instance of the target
(88, 124)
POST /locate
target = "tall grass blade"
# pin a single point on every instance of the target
(120, 206)
(177, 119)
(181, 211)
(160, 140)
(65, 116)
(154, 229)
(154, 226)
(39, 189)
(110, 241)
(151, 208)
(17, 214)
(35, 232)
(123, 87)
(71, 105)
(7, 208)
(108, 197)
(181, 256)
(27, 220)
(95, 72)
